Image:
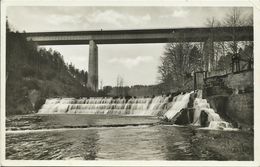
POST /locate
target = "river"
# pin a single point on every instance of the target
(113, 137)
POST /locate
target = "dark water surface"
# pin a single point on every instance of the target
(102, 137)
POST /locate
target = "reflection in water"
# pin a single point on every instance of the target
(52, 145)
(124, 143)
(133, 143)
(177, 143)
(83, 145)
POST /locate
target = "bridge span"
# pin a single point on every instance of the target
(92, 38)
(141, 36)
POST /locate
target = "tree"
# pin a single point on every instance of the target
(101, 84)
(8, 29)
(177, 64)
(119, 85)
(211, 57)
(224, 62)
(107, 89)
(234, 18)
(85, 78)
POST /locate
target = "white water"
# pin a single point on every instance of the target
(179, 102)
(134, 106)
(215, 122)
(157, 106)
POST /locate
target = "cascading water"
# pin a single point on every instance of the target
(157, 106)
(214, 120)
(120, 106)
(179, 102)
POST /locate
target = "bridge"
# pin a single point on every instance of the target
(206, 35)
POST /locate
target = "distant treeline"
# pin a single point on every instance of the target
(34, 74)
(133, 91)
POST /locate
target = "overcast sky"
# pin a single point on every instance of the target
(136, 63)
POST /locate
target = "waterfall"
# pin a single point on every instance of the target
(214, 120)
(119, 106)
(179, 102)
(156, 106)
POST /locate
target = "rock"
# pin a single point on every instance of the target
(184, 117)
(204, 119)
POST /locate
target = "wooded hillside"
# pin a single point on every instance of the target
(34, 74)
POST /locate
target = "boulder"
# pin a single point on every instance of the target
(184, 117)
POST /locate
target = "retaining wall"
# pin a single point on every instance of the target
(232, 96)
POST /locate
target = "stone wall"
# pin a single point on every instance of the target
(241, 81)
(240, 107)
(232, 96)
(230, 83)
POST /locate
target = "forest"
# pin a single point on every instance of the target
(34, 74)
(181, 60)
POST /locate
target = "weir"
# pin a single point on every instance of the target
(168, 35)
(160, 106)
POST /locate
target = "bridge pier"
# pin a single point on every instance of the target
(93, 66)
(208, 54)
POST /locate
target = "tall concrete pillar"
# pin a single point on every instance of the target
(208, 55)
(93, 66)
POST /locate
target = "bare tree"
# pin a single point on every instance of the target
(119, 85)
(234, 18)
(101, 84)
(177, 64)
(215, 48)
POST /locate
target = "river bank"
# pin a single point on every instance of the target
(223, 145)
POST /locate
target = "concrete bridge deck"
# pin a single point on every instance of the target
(92, 38)
(142, 36)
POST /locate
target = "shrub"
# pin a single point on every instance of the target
(39, 103)
(50, 75)
(28, 71)
(31, 84)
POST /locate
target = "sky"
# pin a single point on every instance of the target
(135, 63)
